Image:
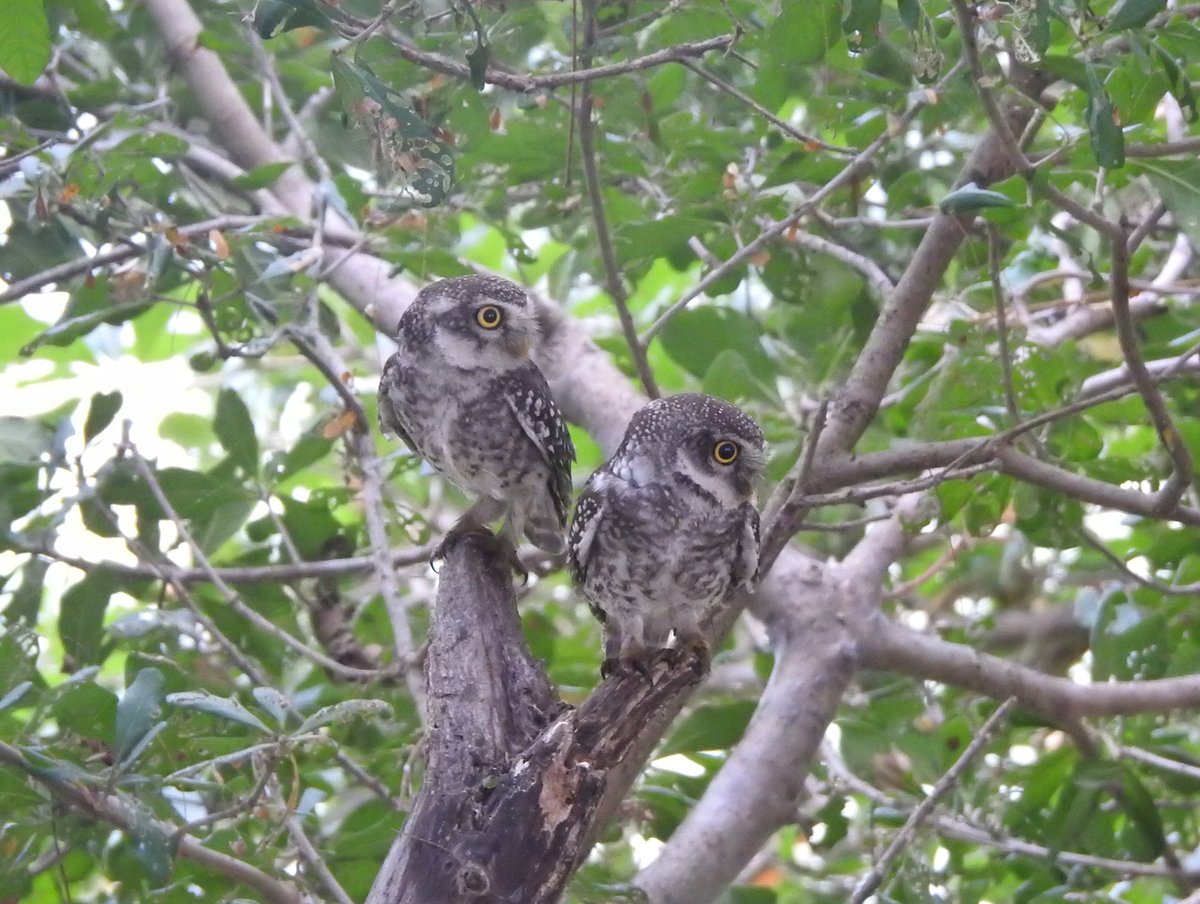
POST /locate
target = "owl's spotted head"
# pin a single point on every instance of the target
(703, 440)
(473, 322)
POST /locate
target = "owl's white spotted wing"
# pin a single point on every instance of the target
(589, 511)
(389, 419)
(528, 397)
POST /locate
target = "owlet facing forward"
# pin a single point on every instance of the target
(667, 528)
(462, 392)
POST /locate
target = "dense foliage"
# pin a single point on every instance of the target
(209, 668)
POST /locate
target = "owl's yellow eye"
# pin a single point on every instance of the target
(725, 452)
(489, 317)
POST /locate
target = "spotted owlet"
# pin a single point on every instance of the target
(462, 392)
(667, 527)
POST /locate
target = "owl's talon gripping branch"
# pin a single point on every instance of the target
(693, 649)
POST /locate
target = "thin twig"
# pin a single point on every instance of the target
(791, 486)
(527, 84)
(1147, 226)
(312, 857)
(110, 809)
(1167, 589)
(998, 293)
(362, 448)
(612, 273)
(231, 596)
(810, 142)
(896, 488)
(358, 441)
(879, 281)
(22, 287)
(247, 574)
(874, 877)
(1159, 762)
(854, 169)
(1182, 467)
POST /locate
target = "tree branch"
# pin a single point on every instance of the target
(882, 644)
(110, 809)
(516, 783)
(871, 881)
(234, 574)
(856, 403)
(758, 788)
(527, 84)
(612, 273)
(854, 169)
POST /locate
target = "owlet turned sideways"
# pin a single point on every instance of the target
(462, 392)
(667, 528)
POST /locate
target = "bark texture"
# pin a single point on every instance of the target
(516, 780)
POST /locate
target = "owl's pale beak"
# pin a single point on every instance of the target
(518, 345)
(744, 486)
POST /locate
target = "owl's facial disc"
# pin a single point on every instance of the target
(725, 465)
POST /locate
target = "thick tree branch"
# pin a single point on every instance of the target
(759, 787)
(882, 644)
(810, 612)
(515, 783)
(856, 403)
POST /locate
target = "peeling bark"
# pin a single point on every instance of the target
(517, 781)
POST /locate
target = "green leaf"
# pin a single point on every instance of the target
(91, 305)
(86, 709)
(24, 40)
(224, 707)
(1178, 185)
(137, 711)
(715, 727)
(1039, 34)
(1107, 139)
(1133, 14)
(81, 617)
(235, 430)
(694, 336)
(152, 847)
(729, 377)
(103, 409)
(404, 145)
(273, 702)
(262, 176)
(26, 601)
(1139, 804)
(1181, 85)
(271, 17)
(345, 711)
(24, 440)
(804, 31)
(309, 449)
(477, 62)
(861, 24)
(1127, 643)
(971, 197)
(1136, 87)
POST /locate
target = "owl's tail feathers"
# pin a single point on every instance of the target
(547, 535)
(541, 524)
